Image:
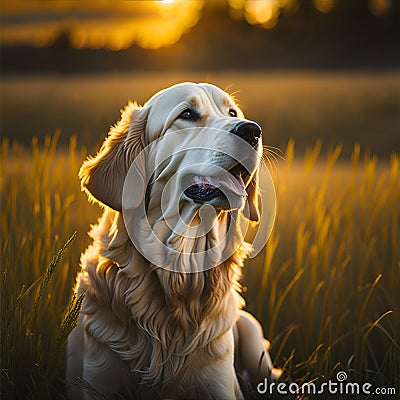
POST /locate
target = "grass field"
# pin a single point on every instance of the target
(326, 289)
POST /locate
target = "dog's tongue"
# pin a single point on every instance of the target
(232, 183)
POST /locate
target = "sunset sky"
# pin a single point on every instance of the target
(117, 25)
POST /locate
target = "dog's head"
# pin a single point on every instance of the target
(191, 146)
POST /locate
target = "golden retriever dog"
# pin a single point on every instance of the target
(162, 315)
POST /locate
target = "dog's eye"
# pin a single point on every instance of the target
(188, 114)
(232, 112)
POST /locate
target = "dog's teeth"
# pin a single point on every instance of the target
(197, 180)
(203, 183)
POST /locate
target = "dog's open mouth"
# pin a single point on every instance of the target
(217, 189)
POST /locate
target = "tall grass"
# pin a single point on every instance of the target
(326, 288)
(329, 289)
(39, 212)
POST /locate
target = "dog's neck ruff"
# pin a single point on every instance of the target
(178, 317)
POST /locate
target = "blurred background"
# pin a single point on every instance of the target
(304, 69)
(322, 78)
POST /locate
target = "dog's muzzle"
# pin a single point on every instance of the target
(227, 191)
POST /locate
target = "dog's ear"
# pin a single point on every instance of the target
(252, 209)
(103, 176)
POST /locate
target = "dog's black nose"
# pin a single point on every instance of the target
(249, 131)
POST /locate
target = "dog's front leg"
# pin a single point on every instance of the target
(218, 378)
(103, 370)
(74, 370)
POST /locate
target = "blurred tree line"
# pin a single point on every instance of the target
(347, 37)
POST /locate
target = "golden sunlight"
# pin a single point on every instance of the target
(324, 6)
(117, 25)
(102, 24)
(263, 13)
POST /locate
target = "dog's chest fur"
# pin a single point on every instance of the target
(164, 325)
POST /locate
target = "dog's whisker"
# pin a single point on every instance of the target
(269, 161)
(278, 149)
(275, 159)
(274, 150)
(272, 158)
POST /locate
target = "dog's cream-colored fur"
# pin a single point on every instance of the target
(157, 332)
